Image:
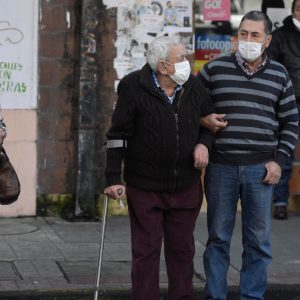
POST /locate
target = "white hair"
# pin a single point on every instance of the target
(159, 49)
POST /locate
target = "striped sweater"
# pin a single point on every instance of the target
(260, 109)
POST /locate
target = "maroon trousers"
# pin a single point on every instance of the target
(171, 216)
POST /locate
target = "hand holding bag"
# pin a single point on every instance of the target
(9, 182)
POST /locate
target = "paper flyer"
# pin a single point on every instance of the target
(140, 21)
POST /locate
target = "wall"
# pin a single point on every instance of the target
(58, 95)
(60, 29)
(107, 97)
(42, 140)
(20, 146)
(18, 96)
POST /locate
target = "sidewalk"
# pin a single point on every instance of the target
(49, 258)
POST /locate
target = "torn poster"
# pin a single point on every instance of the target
(141, 21)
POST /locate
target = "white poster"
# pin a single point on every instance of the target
(140, 21)
(18, 54)
(178, 16)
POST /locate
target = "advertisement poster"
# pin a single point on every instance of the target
(210, 46)
(178, 16)
(140, 21)
(216, 10)
(18, 54)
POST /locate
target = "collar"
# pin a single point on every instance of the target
(245, 65)
(157, 84)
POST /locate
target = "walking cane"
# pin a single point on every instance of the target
(104, 217)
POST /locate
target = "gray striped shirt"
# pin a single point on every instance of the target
(260, 109)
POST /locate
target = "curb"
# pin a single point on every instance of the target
(274, 292)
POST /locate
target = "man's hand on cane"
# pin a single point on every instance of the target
(115, 192)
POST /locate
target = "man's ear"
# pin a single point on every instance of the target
(161, 68)
(268, 40)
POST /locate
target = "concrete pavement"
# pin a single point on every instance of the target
(50, 258)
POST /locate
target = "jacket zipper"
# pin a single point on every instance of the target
(177, 135)
(177, 149)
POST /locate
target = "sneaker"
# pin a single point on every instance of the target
(280, 212)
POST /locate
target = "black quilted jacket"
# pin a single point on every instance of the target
(159, 156)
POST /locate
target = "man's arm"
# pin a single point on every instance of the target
(273, 173)
(288, 118)
(274, 168)
(206, 136)
(118, 135)
(214, 122)
(201, 156)
(115, 191)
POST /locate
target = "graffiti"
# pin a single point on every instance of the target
(19, 53)
(9, 34)
(8, 82)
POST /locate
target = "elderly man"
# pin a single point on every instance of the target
(257, 96)
(155, 131)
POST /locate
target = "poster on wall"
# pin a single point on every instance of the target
(178, 16)
(18, 54)
(140, 21)
(216, 10)
(210, 46)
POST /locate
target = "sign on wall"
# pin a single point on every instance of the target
(216, 10)
(18, 53)
(210, 46)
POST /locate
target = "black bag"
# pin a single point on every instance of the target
(9, 182)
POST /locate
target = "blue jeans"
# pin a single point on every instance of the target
(281, 190)
(224, 186)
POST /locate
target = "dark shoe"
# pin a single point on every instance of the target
(280, 212)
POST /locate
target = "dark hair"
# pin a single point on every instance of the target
(256, 15)
(271, 3)
(293, 5)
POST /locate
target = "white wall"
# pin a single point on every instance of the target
(18, 96)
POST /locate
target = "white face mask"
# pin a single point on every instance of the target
(296, 23)
(250, 51)
(182, 72)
